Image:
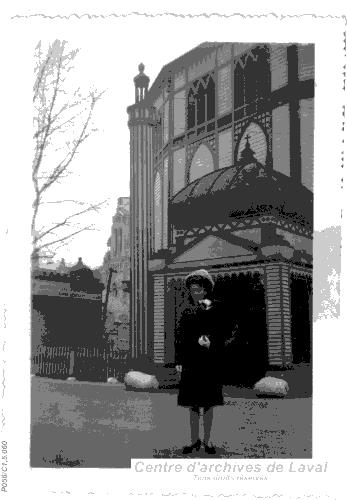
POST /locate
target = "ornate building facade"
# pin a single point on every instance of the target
(221, 156)
(117, 258)
(118, 253)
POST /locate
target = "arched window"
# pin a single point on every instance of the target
(201, 104)
(210, 98)
(165, 203)
(252, 76)
(157, 213)
(191, 109)
(202, 163)
(250, 79)
(201, 101)
(158, 132)
(239, 85)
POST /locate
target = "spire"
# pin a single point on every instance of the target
(62, 268)
(247, 154)
(79, 265)
(141, 82)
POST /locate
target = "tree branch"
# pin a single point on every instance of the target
(54, 118)
(66, 220)
(51, 243)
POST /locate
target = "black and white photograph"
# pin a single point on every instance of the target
(181, 253)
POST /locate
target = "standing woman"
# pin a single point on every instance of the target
(199, 348)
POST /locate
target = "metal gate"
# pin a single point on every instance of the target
(84, 363)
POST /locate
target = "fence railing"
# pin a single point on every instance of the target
(84, 363)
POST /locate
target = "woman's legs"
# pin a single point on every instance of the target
(194, 430)
(194, 423)
(208, 417)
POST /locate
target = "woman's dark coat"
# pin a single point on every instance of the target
(201, 378)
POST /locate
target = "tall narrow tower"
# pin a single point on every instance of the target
(141, 121)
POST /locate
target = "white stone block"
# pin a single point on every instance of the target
(112, 380)
(139, 380)
(271, 386)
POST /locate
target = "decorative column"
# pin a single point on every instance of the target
(278, 307)
(141, 121)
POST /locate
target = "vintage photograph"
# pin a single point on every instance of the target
(171, 305)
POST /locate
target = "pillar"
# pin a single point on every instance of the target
(141, 121)
(278, 313)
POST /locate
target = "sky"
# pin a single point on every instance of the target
(101, 170)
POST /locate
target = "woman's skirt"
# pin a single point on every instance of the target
(200, 387)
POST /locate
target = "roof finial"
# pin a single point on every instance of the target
(247, 154)
(141, 82)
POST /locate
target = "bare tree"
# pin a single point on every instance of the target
(62, 123)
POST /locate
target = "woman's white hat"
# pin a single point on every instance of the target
(200, 276)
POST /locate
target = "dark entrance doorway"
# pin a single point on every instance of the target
(176, 302)
(246, 357)
(244, 323)
(301, 307)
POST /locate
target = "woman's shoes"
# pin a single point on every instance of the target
(192, 447)
(211, 450)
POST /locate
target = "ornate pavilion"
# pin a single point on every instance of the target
(221, 155)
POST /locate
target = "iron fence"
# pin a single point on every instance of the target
(84, 363)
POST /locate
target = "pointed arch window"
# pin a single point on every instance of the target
(165, 202)
(158, 132)
(252, 76)
(239, 85)
(191, 119)
(202, 163)
(201, 101)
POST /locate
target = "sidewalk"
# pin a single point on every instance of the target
(77, 424)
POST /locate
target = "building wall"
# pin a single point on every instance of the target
(244, 104)
(118, 258)
(207, 105)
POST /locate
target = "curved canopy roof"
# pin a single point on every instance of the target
(240, 191)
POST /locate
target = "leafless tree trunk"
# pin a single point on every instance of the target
(62, 123)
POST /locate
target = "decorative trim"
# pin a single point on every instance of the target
(246, 223)
(225, 268)
(299, 271)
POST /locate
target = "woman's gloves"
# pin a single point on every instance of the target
(204, 341)
(205, 304)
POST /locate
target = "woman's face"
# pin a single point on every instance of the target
(197, 292)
